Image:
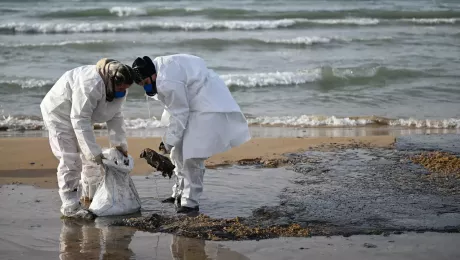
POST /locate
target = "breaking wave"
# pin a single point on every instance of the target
(21, 123)
(324, 75)
(54, 44)
(18, 84)
(29, 123)
(332, 121)
(211, 42)
(50, 27)
(432, 20)
(298, 41)
(114, 26)
(235, 13)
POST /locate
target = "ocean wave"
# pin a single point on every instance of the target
(212, 42)
(426, 123)
(54, 44)
(139, 123)
(113, 26)
(333, 121)
(323, 75)
(21, 123)
(432, 20)
(301, 41)
(335, 14)
(116, 11)
(84, 27)
(313, 40)
(29, 123)
(25, 83)
(271, 78)
(239, 13)
(8, 10)
(305, 41)
(127, 11)
(347, 21)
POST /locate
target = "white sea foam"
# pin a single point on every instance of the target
(271, 78)
(193, 9)
(308, 120)
(12, 123)
(140, 123)
(232, 25)
(311, 40)
(314, 121)
(348, 21)
(302, 40)
(86, 27)
(21, 123)
(127, 11)
(51, 44)
(426, 123)
(432, 20)
(27, 83)
(35, 123)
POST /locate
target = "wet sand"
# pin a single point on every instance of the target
(31, 229)
(30, 161)
(360, 175)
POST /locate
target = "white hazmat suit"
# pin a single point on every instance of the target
(202, 117)
(69, 109)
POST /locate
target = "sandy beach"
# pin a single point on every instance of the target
(30, 160)
(335, 195)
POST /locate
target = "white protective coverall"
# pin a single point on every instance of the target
(202, 117)
(69, 109)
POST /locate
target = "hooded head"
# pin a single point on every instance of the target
(117, 77)
(145, 69)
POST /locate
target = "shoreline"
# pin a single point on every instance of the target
(271, 131)
(30, 160)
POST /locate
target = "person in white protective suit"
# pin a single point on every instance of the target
(83, 96)
(201, 115)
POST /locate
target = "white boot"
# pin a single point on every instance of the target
(71, 208)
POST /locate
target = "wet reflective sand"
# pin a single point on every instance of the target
(30, 228)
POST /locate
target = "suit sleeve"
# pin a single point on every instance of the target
(117, 131)
(84, 101)
(176, 103)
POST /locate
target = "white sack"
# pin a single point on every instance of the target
(116, 194)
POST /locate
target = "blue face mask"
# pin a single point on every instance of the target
(149, 90)
(119, 94)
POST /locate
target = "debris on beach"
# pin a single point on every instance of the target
(266, 163)
(207, 228)
(442, 164)
(369, 245)
(158, 161)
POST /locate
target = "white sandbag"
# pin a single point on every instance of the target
(116, 194)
